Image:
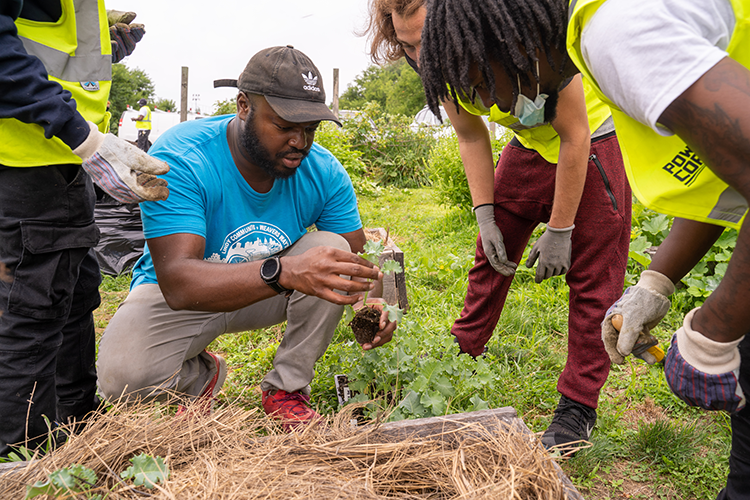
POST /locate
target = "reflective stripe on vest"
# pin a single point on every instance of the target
(664, 173)
(144, 124)
(76, 53)
(544, 139)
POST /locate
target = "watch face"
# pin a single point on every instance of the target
(269, 268)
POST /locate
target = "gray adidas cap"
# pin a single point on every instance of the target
(289, 81)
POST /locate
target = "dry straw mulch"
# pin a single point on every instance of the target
(241, 454)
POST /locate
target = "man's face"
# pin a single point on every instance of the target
(274, 144)
(504, 96)
(409, 31)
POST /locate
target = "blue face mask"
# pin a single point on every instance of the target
(530, 113)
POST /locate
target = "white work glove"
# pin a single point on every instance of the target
(553, 249)
(122, 170)
(492, 240)
(703, 372)
(642, 307)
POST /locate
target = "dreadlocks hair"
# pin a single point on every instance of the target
(384, 46)
(460, 33)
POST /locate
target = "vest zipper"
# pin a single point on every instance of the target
(605, 179)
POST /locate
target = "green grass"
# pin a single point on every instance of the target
(647, 443)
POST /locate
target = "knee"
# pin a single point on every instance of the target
(324, 239)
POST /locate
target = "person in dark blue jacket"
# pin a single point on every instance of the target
(53, 121)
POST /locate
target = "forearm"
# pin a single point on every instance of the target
(476, 154)
(570, 178)
(198, 285)
(480, 171)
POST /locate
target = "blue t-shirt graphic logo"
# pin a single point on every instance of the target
(253, 241)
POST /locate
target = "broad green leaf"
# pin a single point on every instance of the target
(478, 403)
(391, 266)
(639, 244)
(643, 260)
(73, 479)
(412, 404)
(146, 471)
(394, 312)
(656, 225)
(444, 386)
(435, 401)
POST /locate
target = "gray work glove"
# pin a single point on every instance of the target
(122, 170)
(492, 240)
(642, 307)
(553, 251)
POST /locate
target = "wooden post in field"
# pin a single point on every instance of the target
(492, 130)
(335, 103)
(184, 95)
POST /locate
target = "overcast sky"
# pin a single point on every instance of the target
(215, 39)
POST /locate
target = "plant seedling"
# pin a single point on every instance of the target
(366, 321)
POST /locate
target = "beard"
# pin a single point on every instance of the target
(260, 156)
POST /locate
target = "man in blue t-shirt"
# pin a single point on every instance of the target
(230, 249)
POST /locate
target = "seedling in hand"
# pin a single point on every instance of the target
(366, 321)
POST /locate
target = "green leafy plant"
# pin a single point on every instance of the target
(146, 470)
(69, 481)
(393, 152)
(79, 480)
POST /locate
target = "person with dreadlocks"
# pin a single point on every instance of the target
(678, 83)
(564, 170)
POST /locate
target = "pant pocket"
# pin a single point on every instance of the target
(47, 272)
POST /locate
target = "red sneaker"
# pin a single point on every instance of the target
(205, 401)
(292, 408)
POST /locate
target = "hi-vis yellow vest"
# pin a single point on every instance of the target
(77, 53)
(144, 124)
(665, 174)
(543, 138)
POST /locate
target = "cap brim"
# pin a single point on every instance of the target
(298, 111)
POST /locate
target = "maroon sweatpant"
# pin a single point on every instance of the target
(524, 189)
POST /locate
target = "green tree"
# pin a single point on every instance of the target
(226, 107)
(165, 105)
(128, 86)
(395, 87)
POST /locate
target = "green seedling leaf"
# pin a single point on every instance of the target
(146, 471)
(372, 251)
(394, 312)
(348, 313)
(391, 266)
(73, 479)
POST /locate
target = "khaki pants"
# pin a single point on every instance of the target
(149, 350)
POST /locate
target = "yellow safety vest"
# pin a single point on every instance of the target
(665, 174)
(144, 124)
(543, 138)
(77, 54)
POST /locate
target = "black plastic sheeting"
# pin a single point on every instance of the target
(122, 241)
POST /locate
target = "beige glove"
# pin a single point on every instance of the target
(122, 170)
(642, 307)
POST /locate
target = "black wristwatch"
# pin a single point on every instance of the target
(270, 270)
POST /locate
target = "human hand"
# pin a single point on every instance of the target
(325, 272)
(553, 250)
(122, 170)
(703, 372)
(387, 327)
(642, 307)
(122, 34)
(492, 240)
